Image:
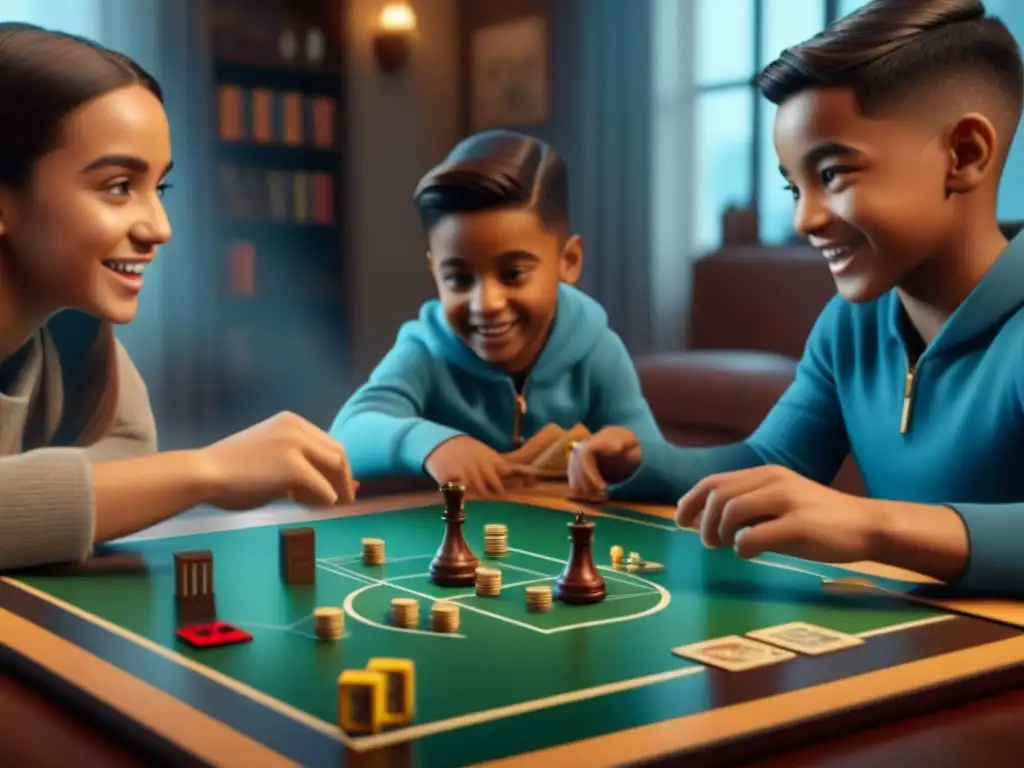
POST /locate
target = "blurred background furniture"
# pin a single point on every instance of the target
(751, 311)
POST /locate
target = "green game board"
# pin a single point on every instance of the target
(617, 653)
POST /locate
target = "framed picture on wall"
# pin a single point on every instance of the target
(509, 74)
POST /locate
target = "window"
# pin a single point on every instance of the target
(1011, 194)
(79, 17)
(734, 160)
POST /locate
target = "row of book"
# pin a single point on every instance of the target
(260, 194)
(265, 116)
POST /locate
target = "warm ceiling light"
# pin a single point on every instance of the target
(393, 41)
(397, 17)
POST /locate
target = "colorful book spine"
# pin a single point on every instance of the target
(231, 113)
(265, 116)
(322, 189)
(300, 199)
(293, 114)
(323, 119)
(262, 116)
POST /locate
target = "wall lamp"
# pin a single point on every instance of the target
(392, 43)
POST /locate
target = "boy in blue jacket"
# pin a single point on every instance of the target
(892, 131)
(509, 345)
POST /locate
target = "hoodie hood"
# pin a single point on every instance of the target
(579, 323)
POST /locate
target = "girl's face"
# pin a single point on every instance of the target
(82, 231)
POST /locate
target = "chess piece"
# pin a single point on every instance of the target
(454, 565)
(580, 582)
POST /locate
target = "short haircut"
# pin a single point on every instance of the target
(497, 169)
(889, 50)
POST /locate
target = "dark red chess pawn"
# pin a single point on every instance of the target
(580, 582)
(454, 565)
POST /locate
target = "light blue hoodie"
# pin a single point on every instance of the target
(431, 387)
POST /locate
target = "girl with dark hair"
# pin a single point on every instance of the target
(84, 155)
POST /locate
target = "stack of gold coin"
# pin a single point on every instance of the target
(538, 598)
(373, 551)
(405, 612)
(444, 616)
(616, 554)
(488, 582)
(495, 540)
(329, 623)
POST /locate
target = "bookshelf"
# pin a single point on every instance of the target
(281, 336)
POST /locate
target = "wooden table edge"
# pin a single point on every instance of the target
(678, 736)
(683, 734)
(166, 716)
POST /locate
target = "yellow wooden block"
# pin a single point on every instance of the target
(399, 690)
(361, 695)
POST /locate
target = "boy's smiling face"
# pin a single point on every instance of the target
(873, 195)
(497, 273)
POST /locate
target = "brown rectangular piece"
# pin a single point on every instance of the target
(201, 609)
(298, 555)
(193, 574)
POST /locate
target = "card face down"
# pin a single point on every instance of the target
(806, 638)
(733, 653)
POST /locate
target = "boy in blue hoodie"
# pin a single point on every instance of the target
(509, 345)
(892, 131)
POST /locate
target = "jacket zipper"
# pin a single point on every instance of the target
(517, 422)
(908, 397)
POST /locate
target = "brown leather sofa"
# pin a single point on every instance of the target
(751, 311)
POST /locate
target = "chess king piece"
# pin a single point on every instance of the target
(580, 582)
(454, 565)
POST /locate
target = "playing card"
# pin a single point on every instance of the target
(733, 653)
(806, 638)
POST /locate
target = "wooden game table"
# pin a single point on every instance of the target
(92, 667)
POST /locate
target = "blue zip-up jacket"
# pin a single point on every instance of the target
(963, 442)
(431, 387)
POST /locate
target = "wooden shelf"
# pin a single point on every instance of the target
(279, 156)
(296, 318)
(321, 81)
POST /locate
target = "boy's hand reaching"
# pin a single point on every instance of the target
(610, 456)
(774, 509)
(282, 457)
(463, 459)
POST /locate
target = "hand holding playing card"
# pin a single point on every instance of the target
(775, 509)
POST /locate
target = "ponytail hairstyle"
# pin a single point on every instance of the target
(44, 75)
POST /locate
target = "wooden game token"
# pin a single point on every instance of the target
(373, 551)
(488, 582)
(329, 623)
(444, 616)
(615, 554)
(539, 598)
(405, 612)
(495, 540)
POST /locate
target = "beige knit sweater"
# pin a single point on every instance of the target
(46, 497)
